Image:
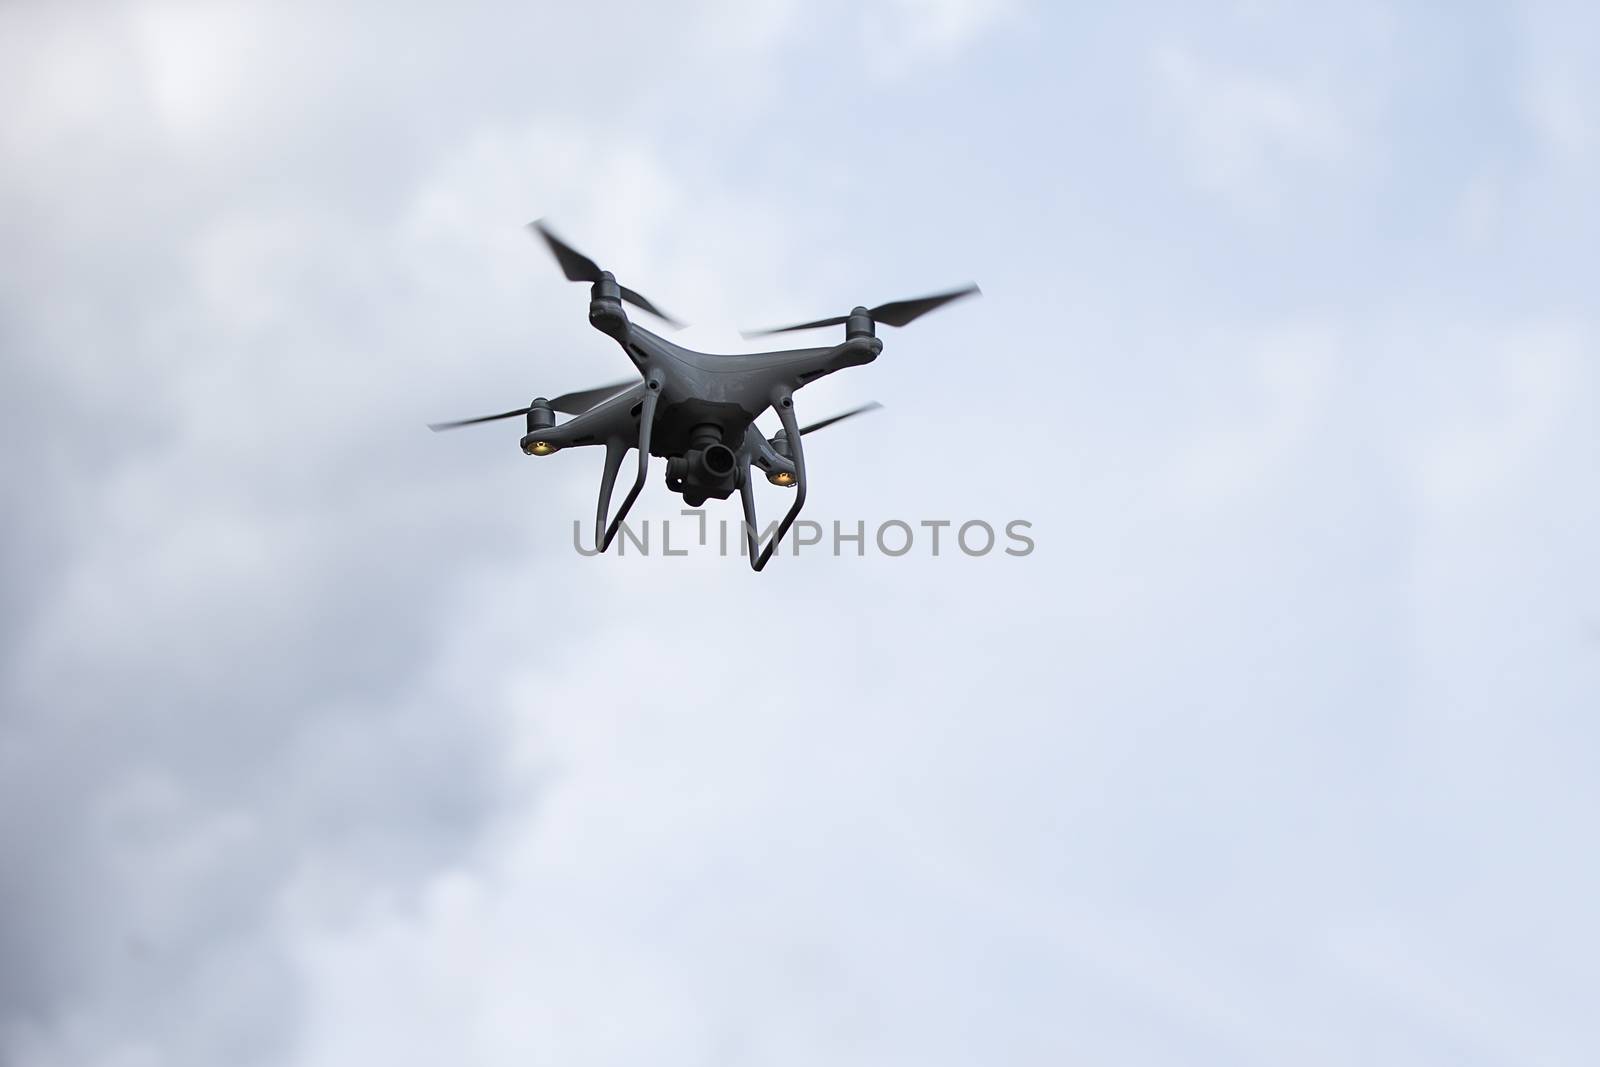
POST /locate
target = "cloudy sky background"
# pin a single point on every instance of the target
(320, 746)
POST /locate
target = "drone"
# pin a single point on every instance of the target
(697, 410)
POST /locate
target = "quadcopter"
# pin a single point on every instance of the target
(697, 410)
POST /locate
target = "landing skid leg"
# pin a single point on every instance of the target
(791, 429)
(616, 448)
(647, 418)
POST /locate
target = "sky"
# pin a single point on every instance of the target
(320, 744)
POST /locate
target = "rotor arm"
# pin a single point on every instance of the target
(764, 456)
(585, 428)
(807, 365)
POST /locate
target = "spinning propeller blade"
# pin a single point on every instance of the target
(821, 423)
(437, 426)
(574, 264)
(894, 313)
(837, 320)
(638, 301)
(568, 403)
(905, 312)
(576, 403)
(580, 268)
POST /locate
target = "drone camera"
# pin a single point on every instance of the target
(712, 470)
(717, 461)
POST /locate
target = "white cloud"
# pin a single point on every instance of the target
(1493, 426)
(899, 36)
(1247, 136)
(1290, 373)
(1561, 109)
(1558, 88)
(321, 746)
(220, 693)
(203, 63)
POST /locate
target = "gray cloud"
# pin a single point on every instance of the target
(320, 746)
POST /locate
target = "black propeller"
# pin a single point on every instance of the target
(894, 313)
(821, 423)
(580, 268)
(570, 403)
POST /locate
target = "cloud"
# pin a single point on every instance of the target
(220, 687)
(1245, 136)
(900, 36)
(1502, 423)
(1557, 88)
(321, 745)
(1290, 369)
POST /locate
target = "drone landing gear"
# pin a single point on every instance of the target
(791, 429)
(615, 448)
